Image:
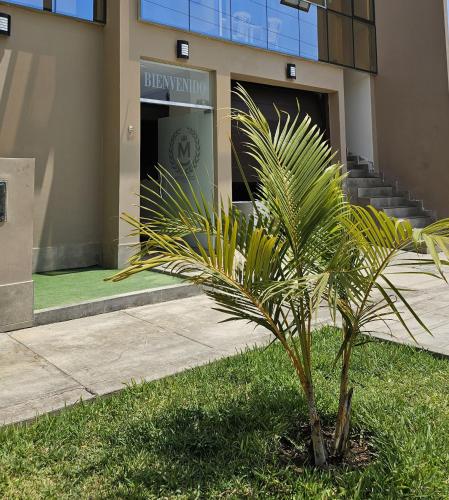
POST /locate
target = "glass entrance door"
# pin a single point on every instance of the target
(177, 127)
(185, 148)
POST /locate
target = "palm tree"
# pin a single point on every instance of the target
(380, 246)
(305, 246)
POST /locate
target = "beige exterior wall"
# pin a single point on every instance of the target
(51, 81)
(70, 90)
(446, 27)
(412, 99)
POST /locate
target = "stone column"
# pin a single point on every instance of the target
(223, 150)
(16, 245)
(121, 135)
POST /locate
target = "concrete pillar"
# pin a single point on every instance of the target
(121, 136)
(223, 162)
(337, 125)
(16, 245)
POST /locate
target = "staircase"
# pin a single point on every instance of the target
(368, 188)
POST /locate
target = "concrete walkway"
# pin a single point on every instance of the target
(47, 367)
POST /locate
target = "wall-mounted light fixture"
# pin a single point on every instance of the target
(304, 4)
(5, 24)
(291, 71)
(2, 201)
(182, 49)
(297, 4)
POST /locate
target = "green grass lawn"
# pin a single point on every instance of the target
(58, 288)
(213, 432)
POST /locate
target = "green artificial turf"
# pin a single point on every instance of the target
(213, 432)
(58, 288)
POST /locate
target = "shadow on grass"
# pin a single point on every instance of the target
(198, 446)
(195, 448)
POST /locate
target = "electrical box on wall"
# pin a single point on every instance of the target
(2, 201)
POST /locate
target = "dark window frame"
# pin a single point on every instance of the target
(99, 10)
(353, 18)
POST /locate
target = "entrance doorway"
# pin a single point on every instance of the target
(176, 129)
(313, 104)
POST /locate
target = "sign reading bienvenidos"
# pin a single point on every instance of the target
(163, 82)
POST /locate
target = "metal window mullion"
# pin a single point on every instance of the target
(339, 13)
(99, 11)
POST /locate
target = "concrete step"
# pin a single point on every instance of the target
(115, 303)
(382, 202)
(350, 165)
(403, 212)
(419, 221)
(359, 172)
(368, 188)
(364, 182)
(368, 192)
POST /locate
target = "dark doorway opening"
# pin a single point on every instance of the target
(314, 104)
(149, 143)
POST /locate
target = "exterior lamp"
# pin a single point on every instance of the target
(291, 71)
(297, 4)
(2, 201)
(5, 24)
(182, 49)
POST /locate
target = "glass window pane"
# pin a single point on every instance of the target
(176, 14)
(364, 9)
(283, 28)
(308, 32)
(365, 46)
(211, 17)
(341, 49)
(37, 4)
(83, 9)
(343, 6)
(249, 22)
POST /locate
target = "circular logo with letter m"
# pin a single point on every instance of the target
(184, 152)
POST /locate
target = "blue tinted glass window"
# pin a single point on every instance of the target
(283, 28)
(211, 17)
(83, 9)
(249, 22)
(37, 4)
(174, 14)
(308, 33)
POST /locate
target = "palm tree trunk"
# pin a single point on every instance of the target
(319, 448)
(342, 427)
(305, 377)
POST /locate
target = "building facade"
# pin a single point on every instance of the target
(99, 91)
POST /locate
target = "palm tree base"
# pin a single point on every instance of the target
(296, 449)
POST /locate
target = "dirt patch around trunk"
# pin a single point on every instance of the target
(296, 449)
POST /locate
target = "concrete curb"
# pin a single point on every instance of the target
(115, 303)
